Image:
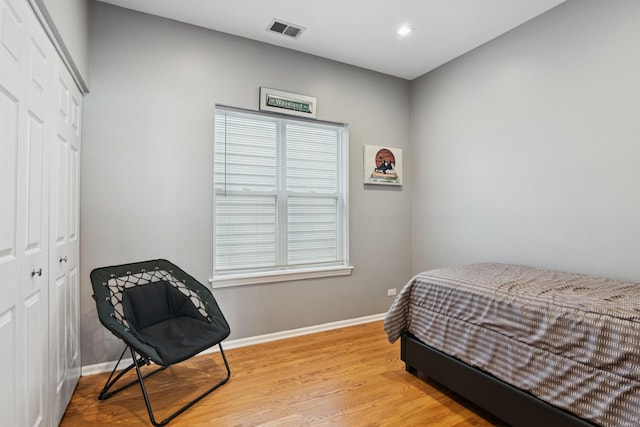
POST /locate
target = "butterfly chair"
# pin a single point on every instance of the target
(163, 315)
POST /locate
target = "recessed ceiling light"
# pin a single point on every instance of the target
(404, 30)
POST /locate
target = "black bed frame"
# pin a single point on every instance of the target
(510, 404)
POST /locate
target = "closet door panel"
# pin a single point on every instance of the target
(12, 52)
(9, 391)
(58, 292)
(36, 141)
(12, 32)
(73, 333)
(9, 266)
(60, 178)
(59, 193)
(64, 242)
(73, 260)
(10, 260)
(35, 378)
(35, 240)
(35, 207)
(59, 332)
(10, 90)
(34, 284)
(57, 346)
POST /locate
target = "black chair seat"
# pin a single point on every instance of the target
(180, 338)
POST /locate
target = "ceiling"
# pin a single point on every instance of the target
(360, 32)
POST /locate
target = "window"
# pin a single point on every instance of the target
(280, 203)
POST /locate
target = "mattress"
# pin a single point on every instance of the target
(571, 340)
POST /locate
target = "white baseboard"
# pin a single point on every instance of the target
(100, 368)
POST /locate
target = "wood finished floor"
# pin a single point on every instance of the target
(344, 377)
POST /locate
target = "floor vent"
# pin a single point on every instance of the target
(285, 28)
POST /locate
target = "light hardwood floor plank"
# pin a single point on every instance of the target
(343, 377)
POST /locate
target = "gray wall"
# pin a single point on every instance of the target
(69, 20)
(527, 150)
(147, 166)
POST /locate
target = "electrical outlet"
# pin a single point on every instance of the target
(391, 292)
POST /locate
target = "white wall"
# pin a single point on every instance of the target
(147, 166)
(527, 149)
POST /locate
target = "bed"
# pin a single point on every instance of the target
(534, 347)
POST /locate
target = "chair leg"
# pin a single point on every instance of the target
(105, 393)
(185, 407)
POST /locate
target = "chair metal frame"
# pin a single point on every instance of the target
(137, 362)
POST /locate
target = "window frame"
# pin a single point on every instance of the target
(290, 272)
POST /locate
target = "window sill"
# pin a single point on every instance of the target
(278, 276)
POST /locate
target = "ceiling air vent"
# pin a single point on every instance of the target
(285, 28)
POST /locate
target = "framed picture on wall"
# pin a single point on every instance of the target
(382, 165)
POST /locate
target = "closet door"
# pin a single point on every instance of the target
(64, 323)
(25, 61)
(35, 239)
(12, 42)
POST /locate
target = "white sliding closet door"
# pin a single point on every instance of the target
(26, 58)
(64, 322)
(12, 43)
(36, 149)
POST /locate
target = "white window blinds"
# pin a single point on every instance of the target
(280, 193)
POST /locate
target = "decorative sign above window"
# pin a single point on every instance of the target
(287, 103)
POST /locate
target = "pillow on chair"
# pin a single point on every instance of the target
(166, 319)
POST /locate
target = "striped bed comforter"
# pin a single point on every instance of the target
(571, 340)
